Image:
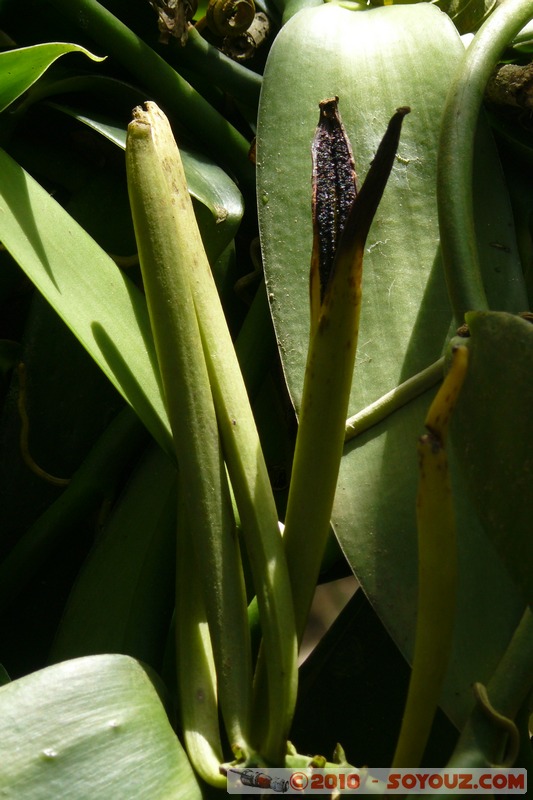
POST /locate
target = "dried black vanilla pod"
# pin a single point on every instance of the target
(334, 188)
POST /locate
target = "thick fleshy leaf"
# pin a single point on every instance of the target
(376, 61)
(493, 439)
(87, 728)
(20, 68)
(98, 302)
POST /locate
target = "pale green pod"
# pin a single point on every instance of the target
(162, 226)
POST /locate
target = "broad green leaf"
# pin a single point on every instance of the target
(493, 439)
(402, 263)
(20, 68)
(90, 728)
(376, 61)
(99, 303)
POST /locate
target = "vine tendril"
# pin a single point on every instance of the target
(229, 17)
(499, 720)
(25, 432)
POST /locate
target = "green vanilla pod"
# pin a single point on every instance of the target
(244, 461)
(196, 672)
(161, 231)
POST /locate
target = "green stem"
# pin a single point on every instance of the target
(256, 506)
(399, 396)
(456, 153)
(437, 572)
(196, 673)
(164, 83)
(327, 384)
(240, 443)
(166, 256)
(318, 451)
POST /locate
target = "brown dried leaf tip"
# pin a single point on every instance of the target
(334, 191)
(173, 18)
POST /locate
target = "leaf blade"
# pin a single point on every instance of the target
(105, 311)
(92, 727)
(22, 67)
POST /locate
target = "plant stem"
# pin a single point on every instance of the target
(456, 154)
(399, 396)
(164, 83)
(482, 741)
(437, 572)
(197, 681)
(240, 442)
(254, 499)
(165, 258)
